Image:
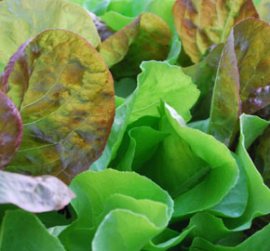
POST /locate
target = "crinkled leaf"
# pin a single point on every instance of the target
(10, 129)
(21, 20)
(225, 107)
(215, 184)
(170, 84)
(66, 102)
(201, 24)
(34, 194)
(147, 37)
(259, 194)
(102, 208)
(258, 241)
(23, 231)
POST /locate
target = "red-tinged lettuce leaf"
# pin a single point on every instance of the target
(21, 20)
(225, 108)
(201, 24)
(10, 129)
(252, 51)
(34, 194)
(64, 92)
(147, 37)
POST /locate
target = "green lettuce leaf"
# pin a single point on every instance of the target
(170, 84)
(259, 194)
(23, 231)
(21, 20)
(199, 30)
(66, 103)
(214, 156)
(258, 241)
(213, 229)
(126, 214)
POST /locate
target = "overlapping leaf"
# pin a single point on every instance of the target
(259, 194)
(64, 92)
(29, 234)
(226, 103)
(117, 210)
(203, 76)
(252, 51)
(146, 38)
(34, 194)
(10, 129)
(21, 20)
(203, 23)
(171, 85)
(205, 171)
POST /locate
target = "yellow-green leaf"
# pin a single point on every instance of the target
(64, 92)
(21, 20)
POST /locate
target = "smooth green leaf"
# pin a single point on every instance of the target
(23, 231)
(211, 228)
(100, 194)
(123, 230)
(223, 168)
(259, 194)
(258, 241)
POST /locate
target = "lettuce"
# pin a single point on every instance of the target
(181, 163)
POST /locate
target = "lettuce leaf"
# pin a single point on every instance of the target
(199, 30)
(126, 214)
(66, 102)
(22, 20)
